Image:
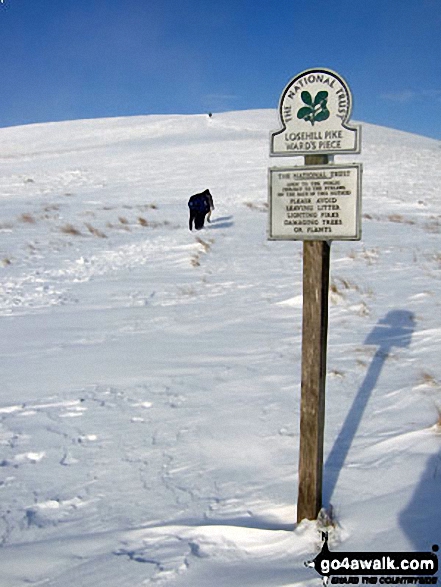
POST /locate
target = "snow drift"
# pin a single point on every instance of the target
(151, 376)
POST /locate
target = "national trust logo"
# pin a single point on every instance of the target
(314, 112)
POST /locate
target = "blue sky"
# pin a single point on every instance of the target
(69, 59)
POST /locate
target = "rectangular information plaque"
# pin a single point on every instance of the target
(315, 202)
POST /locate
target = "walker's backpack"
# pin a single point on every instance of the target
(199, 203)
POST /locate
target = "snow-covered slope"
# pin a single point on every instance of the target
(151, 376)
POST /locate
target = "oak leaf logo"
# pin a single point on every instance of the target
(316, 110)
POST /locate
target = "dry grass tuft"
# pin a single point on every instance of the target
(400, 219)
(433, 226)
(152, 206)
(396, 218)
(195, 261)
(27, 218)
(187, 291)
(333, 288)
(370, 255)
(344, 284)
(338, 286)
(51, 207)
(429, 380)
(259, 206)
(69, 229)
(148, 223)
(95, 231)
(206, 246)
(327, 519)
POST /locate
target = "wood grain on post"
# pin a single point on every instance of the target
(316, 257)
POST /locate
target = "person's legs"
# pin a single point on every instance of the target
(199, 220)
(192, 218)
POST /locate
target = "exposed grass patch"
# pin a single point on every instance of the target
(399, 218)
(339, 286)
(206, 246)
(327, 519)
(149, 224)
(361, 309)
(187, 291)
(343, 283)
(259, 206)
(429, 380)
(152, 206)
(51, 207)
(367, 216)
(434, 226)
(95, 231)
(70, 229)
(27, 218)
(370, 255)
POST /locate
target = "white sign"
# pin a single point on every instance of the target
(315, 202)
(314, 112)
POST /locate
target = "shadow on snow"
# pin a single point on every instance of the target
(421, 519)
(222, 222)
(394, 330)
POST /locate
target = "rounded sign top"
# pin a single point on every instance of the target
(314, 110)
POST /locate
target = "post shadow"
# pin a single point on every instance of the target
(421, 518)
(394, 330)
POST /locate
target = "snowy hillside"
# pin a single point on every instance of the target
(149, 408)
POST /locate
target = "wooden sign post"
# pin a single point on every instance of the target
(316, 260)
(316, 203)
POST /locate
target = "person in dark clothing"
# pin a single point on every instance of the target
(199, 205)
